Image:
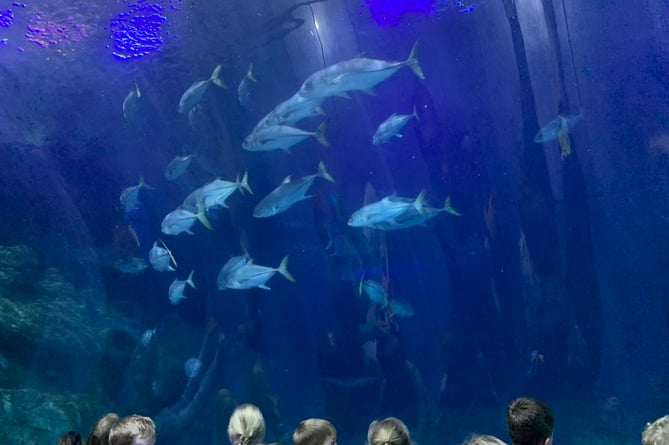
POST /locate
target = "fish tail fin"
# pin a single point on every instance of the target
(419, 203)
(448, 207)
(244, 183)
(362, 280)
(320, 134)
(143, 185)
(189, 280)
(283, 269)
(412, 61)
(323, 173)
(415, 113)
(137, 91)
(216, 77)
(249, 74)
(201, 215)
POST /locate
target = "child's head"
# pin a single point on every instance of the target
(246, 426)
(71, 438)
(389, 431)
(315, 432)
(483, 439)
(530, 422)
(133, 430)
(657, 432)
(100, 433)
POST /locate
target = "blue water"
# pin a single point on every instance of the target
(550, 284)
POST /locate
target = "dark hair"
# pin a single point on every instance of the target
(71, 438)
(530, 421)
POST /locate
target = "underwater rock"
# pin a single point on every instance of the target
(32, 417)
(19, 266)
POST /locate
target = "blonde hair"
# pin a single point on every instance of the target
(246, 425)
(657, 432)
(131, 428)
(482, 439)
(314, 432)
(389, 431)
(100, 433)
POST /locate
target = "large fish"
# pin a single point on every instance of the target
(288, 193)
(292, 111)
(194, 94)
(130, 195)
(252, 275)
(359, 74)
(385, 210)
(177, 288)
(391, 127)
(281, 137)
(231, 266)
(415, 217)
(181, 220)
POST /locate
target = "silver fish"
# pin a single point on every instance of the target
(130, 195)
(131, 104)
(415, 217)
(177, 288)
(245, 87)
(252, 275)
(292, 111)
(375, 291)
(281, 137)
(161, 258)
(385, 210)
(288, 193)
(551, 131)
(178, 167)
(392, 127)
(401, 308)
(194, 94)
(231, 266)
(359, 74)
(181, 220)
(217, 192)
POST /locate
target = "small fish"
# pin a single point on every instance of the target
(386, 210)
(130, 195)
(161, 258)
(181, 220)
(288, 193)
(147, 336)
(252, 275)
(245, 87)
(217, 192)
(192, 367)
(281, 137)
(375, 291)
(131, 265)
(359, 74)
(391, 127)
(131, 104)
(178, 287)
(195, 92)
(401, 308)
(178, 167)
(551, 131)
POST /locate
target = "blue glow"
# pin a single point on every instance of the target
(391, 12)
(138, 31)
(6, 18)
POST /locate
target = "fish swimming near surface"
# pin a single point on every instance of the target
(195, 93)
(130, 195)
(359, 74)
(415, 217)
(131, 104)
(192, 367)
(161, 258)
(392, 127)
(178, 167)
(252, 275)
(386, 210)
(147, 336)
(245, 87)
(182, 220)
(281, 137)
(177, 288)
(288, 193)
(375, 291)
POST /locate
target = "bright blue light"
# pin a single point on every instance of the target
(6, 18)
(391, 12)
(137, 31)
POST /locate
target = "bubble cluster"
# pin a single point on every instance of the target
(6, 18)
(137, 31)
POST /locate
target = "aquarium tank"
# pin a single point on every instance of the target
(337, 209)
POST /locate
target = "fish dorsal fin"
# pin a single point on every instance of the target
(286, 180)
